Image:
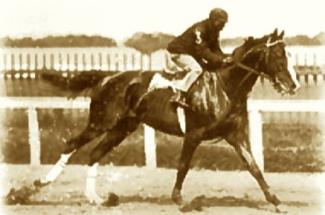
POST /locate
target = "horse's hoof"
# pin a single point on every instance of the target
(94, 199)
(274, 200)
(279, 209)
(112, 200)
(194, 205)
(98, 201)
(186, 207)
(38, 183)
(177, 197)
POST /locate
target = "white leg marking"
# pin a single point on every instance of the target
(90, 190)
(57, 168)
(181, 119)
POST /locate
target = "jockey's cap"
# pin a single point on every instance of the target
(218, 14)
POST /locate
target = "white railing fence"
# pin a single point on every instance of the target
(34, 103)
(117, 58)
(255, 108)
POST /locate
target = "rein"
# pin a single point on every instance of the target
(254, 70)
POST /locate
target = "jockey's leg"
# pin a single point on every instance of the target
(171, 66)
(186, 62)
(185, 83)
(182, 87)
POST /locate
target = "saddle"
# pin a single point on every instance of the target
(204, 96)
(166, 79)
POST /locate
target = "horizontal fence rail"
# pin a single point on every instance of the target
(255, 109)
(34, 103)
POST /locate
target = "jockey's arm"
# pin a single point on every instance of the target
(213, 57)
(227, 58)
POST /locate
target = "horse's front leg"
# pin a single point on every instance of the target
(189, 147)
(239, 139)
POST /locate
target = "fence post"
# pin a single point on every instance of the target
(141, 62)
(75, 62)
(108, 62)
(256, 136)
(125, 62)
(34, 137)
(150, 147)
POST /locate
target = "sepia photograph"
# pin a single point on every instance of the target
(162, 107)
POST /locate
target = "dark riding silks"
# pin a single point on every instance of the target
(201, 41)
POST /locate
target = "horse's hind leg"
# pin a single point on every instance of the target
(239, 139)
(72, 146)
(95, 128)
(112, 139)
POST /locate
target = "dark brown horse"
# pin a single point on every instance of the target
(218, 109)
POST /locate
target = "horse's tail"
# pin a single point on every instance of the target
(74, 82)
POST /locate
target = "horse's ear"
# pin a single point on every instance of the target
(281, 34)
(249, 40)
(275, 32)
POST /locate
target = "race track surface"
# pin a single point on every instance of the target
(147, 191)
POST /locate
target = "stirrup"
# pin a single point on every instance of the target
(179, 100)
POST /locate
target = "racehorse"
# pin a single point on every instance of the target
(218, 109)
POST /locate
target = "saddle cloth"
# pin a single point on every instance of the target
(207, 96)
(158, 81)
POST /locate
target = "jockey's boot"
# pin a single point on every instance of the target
(179, 99)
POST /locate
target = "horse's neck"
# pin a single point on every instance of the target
(238, 81)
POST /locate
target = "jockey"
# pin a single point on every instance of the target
(195, 50)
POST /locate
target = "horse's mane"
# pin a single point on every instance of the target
(248, 43)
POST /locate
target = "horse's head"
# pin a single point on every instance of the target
(267, 57)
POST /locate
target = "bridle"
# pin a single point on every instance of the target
(265, 49)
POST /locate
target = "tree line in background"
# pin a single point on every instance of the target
(144, 42)
(59, 41)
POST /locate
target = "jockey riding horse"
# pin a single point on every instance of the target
(195, 50)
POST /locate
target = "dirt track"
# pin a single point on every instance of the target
(144, 191)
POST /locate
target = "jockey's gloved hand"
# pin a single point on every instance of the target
(227, 60)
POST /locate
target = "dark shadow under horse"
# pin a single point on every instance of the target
(218, 109)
